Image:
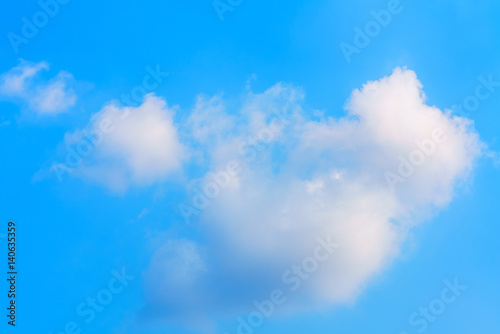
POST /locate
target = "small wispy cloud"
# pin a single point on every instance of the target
(24, 84)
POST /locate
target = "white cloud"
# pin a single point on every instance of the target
(24, 83)
(208, 121)
(54, 97)
(14, 82)
(313, 178)
(125, 146)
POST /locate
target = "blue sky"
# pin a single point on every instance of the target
(221, 83)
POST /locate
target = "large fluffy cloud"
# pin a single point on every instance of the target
(46, 97)
(364, 180)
